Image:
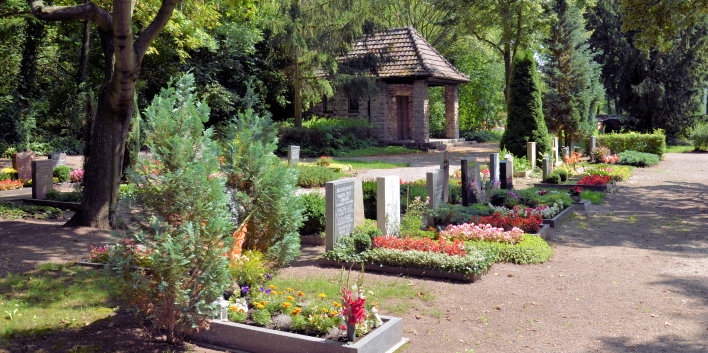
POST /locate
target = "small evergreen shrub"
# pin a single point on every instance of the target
(313, 204)
(531, 250)
(324, 136)
(650, 143)
(562, 173)
(552, 178)
(638, 159)
(315, 176)
(699, 136)
(362, 241)
(63, 173)
(482, 135)
(369, 228)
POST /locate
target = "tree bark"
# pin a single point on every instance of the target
(297, 99)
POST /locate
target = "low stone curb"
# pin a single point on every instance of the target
(407, 271)
(583, 205)
(561, 217)
(544, 232)
(387, 338)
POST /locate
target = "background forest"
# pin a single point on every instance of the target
(593, 57)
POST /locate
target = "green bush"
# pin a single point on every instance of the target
(313, 204)
(316, 176)
(73, 196)
(63, 173)
(4, 176)
(650, 143)
(262, 187)
(369, 189)
(10, 210)
(699, 136)
(552, 178)
(458, 214)
(532, 250)
(638, 159)
(562, 173)
(375, 151)
(504, 198)
(621, 172)
(599, 152)
(327, 136)
(369, 228)
(409, 192)
(482, 135)
(362, 241)
(252, 272)
(554, 197)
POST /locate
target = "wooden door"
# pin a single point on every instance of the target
(404, 121)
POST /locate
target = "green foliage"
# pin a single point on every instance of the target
(482, 135)
(262, 187)
(525, 121)
(458, 214)
(621, 172)
(362, 241)
(595, 197)
(599, 152)
(4, 176)
(699, 136)
(10, 210)
(375, 151)
(521, 164)
(638, 159)
(532, 250)
(552, 178)
(72, 196)
(178, 217)
(357, 164)
(63, 173)
(313, 204)
(369, 228)
(562, 173)
(327, 137)
(654, 143)
(316, 176)
(550, 198)
(252, 272)
(571, 75)
(262, 317)
(412, 221)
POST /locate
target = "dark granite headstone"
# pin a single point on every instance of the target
(468, 167)
(506, 173)
(445, 166)
(42, 181)
(339, 211)
(22, 162)
(546, 166)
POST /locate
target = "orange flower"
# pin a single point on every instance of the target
(300, 294)
(295, 311)
(336, 305)
(290, 298)
(239, 237)
(286, 305)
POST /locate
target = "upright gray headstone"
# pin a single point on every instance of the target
(506, 173)
(469, 175)
(445, 165)
(359, 218)
(22, 162)
(388, 204)
(293, 155)
(58, 158)
(593, 145)
(435, 189)
(494, 167)
(556, 150)
(531, 153)
(546, 166)
(339, 198)
(566, 152)
(42, 178)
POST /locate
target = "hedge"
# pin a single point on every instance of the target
(649, 143)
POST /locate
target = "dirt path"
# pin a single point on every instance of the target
(630, 275)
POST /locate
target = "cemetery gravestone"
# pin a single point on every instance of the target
(494, 167)
(593, 145)
(42, 178)
(23, 164)
(434, 188)
(531, 153)
(293, 155)
(388, 204)
(566, 152)
(445, 166)
(546, 166)
(358, 203)
(506, 173)
(556, 149)
(470, 177)
(57, 158)
(339, 203)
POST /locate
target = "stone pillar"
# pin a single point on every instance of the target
(593, 145)
(420, 119)
(388, 205)
(546, 166)
(470, 177)
(494, 167)
(445, 166)
(452, 112)
(531, 153)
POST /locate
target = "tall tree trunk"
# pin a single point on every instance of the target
(83, 56)
(297, 99)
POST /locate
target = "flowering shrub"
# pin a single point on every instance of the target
(545, 211)
(611, 159)
(77, 176)
(9, 171)
(421, 244)
(9, 184)
(471, 231)
(594, 180)
(599, 170)
(599, 152)
(530, 224)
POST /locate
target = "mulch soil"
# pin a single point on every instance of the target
(630, 275)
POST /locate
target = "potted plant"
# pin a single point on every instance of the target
(575, 192)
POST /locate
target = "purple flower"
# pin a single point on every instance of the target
(262, 289)
(245, 289)
(268, 276)
(267, 291)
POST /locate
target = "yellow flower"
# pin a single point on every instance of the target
(300, 294)
(264, 303)
(295, 311)
(259, 306)
(336, 305)
(290, 298)
(325, 310)
(333, 313)
(286, 305)
(289, 289)
(273, 287)
(322, 295)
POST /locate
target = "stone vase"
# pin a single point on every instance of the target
(351, 332)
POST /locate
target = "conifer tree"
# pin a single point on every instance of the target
(525, 121)
(173, 262)
(571, 75)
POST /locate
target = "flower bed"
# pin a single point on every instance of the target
(421, 244)
(529, 224)
(471, 231)
(9, 184)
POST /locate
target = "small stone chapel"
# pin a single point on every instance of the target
(399, 112)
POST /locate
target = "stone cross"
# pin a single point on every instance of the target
(388, 204)
(506, 173)
(445, 165)
(546, 166)
(531, 153)
(42, 178)
(293, 155)
(470, 175)
(494, 167)
(339, 210)
(57, 158)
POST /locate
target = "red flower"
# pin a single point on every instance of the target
(422, 244)
(530, 225)
(595, 180)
